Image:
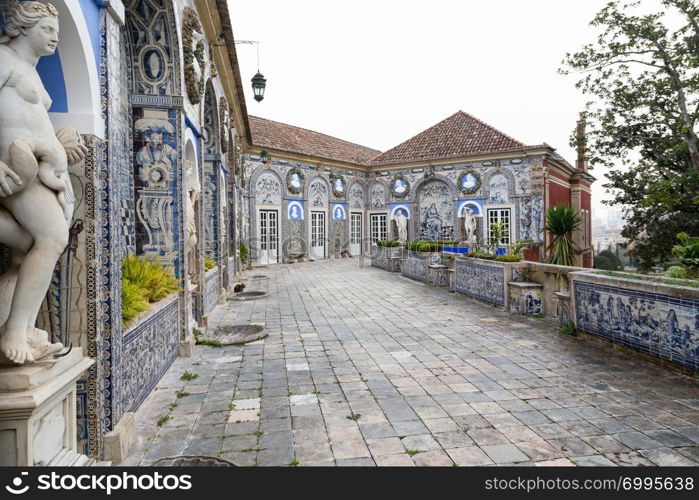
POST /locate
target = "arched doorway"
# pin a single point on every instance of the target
(317, 196)
(268, 201)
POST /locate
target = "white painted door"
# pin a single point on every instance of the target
(356, 234)
(269, 237)
(317, 236)
(378, 227)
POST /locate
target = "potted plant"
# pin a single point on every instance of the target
(561, 220)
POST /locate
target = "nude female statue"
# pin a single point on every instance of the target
(36, 198)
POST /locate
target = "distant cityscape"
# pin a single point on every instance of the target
(606, 234)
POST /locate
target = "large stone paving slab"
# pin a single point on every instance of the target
(365, 367)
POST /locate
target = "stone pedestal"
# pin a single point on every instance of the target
(525, 297)
(563, 309)
(38, 412)
(438, 275)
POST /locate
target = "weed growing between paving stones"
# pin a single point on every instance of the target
(186, 376)
(258, 433)
(568, 328)
(412, 452)
(293, 463)
(172, 406)
(162, 420)
(182, 394)
(354, 416)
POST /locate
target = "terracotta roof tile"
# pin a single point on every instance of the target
(459, 135)
(275, 135)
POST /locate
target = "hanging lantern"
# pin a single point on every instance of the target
(259, 83)
(264, 156)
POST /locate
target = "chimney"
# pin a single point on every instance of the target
(581, 140)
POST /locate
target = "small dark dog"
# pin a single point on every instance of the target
(238, 288)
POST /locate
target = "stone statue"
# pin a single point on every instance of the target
(36, 197)
(470, 226)
(193, 191)
(402, 225)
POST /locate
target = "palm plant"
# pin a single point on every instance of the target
(498, 231)
(561, 220)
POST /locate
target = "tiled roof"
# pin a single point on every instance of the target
(275, 135)
(459, 135)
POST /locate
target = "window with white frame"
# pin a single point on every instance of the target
(501, 215)
(378, 227)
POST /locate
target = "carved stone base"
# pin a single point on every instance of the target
(187, 346)
(38, 412)
(437, 275)
(118, 441)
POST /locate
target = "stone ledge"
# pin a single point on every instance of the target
(118, 441)
(32, 375)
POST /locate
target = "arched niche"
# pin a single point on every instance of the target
(71, 74)
(317, 193)
(377, 196)
(211, 178)
(192, 187)
(356, 196)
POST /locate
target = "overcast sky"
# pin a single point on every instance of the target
(378, 72)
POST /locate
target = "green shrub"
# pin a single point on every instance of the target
(209, 263)
(611, 257)
(602, 262)
(388, 243)
(688, 253)
(482, 255)
(508, 258)
(143, 280)
(134, 300)
(516, 250)
(677, 272)
(423, 246)
(243, 250)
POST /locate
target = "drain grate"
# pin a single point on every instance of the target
(239, 334)
(193, 461)
(259, 276)
(247, 295)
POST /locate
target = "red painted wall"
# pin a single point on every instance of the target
(558, 194)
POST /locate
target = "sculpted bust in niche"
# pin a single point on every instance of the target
(36, 197)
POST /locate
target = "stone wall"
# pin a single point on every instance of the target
(148, 349)
(553, 278)
(211, 291)
(485, 280)
(414, 265)
(658, 319)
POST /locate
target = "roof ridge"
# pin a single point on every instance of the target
(313, 132)
(419, 133)
(490, 126)
(457, 122)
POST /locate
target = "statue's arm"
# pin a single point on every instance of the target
(73, 144)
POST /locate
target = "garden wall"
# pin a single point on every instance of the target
(485, 280)
(659, 319)
(148, 349)
(211, 290)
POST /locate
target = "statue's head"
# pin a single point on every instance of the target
(35, 20)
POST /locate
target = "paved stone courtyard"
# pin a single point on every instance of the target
(365, 367)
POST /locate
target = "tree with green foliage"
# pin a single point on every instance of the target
(612, 258)
(643, 76)
(602, 262)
